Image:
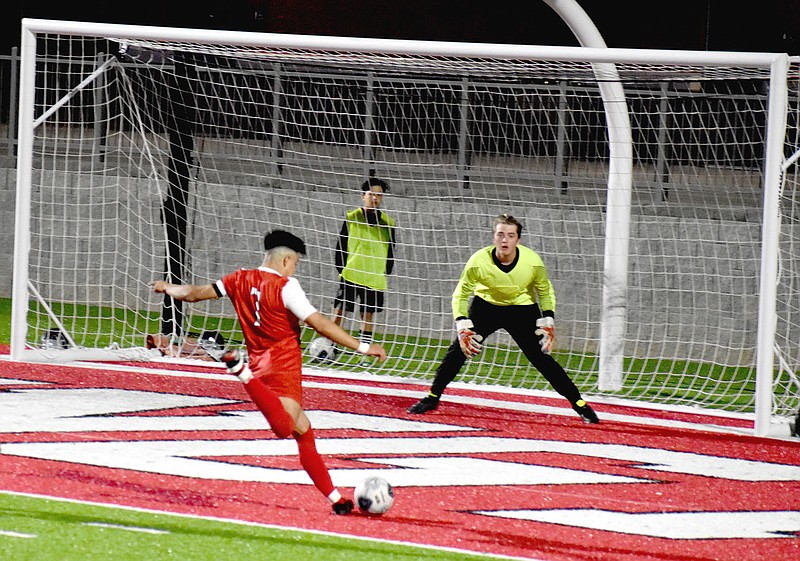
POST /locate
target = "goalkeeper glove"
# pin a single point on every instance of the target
(469, 341)
(547, 330)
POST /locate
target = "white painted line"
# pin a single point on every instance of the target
(15, 382)
(126, 528)
(10, 534)
(670, 525)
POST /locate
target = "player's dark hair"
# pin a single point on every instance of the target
(282, 238)
(508, 219)
(374, 182)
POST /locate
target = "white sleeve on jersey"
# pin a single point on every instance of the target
(295, 299)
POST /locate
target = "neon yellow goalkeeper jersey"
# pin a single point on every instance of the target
(524, 283)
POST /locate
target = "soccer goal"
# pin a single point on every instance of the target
(658, 186)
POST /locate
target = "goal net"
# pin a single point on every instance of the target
(151, 153)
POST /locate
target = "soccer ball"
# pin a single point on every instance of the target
(374, 495)
(322, 349)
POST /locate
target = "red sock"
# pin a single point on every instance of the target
(313, 463)
(271, 407)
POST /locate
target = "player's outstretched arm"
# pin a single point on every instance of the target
(185, 292)
(325, 327)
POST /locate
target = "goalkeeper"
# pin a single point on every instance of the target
(270, 305)
(510, 289)
(364, 257)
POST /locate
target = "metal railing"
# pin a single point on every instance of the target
(9, 97)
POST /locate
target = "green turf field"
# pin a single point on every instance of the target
(5, 321)
(35, 529)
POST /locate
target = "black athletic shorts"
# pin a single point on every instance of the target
(371, 300)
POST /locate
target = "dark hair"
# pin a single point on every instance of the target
(508, 219)
(282, 238)
(374, 182)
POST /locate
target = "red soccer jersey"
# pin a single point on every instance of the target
(271, 331)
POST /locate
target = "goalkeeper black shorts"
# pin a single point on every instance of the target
(369, 299)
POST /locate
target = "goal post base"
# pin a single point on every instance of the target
(88, 355)
(778, 427)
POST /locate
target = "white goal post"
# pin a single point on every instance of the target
(149, 152)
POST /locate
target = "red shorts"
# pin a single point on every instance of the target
(281, 369)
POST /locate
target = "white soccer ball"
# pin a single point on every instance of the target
(374, 495)
(322, 349)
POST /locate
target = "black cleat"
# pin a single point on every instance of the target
(586, 412)
(427, 403)
(343, 506)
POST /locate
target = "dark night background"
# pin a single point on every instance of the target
(738, 25)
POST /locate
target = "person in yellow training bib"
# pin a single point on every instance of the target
(364, 257)
(510, 290)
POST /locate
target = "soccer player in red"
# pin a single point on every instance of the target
(270, 305)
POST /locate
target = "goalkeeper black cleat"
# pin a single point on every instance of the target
(343, 506)
(586, 412)
(427, 403)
